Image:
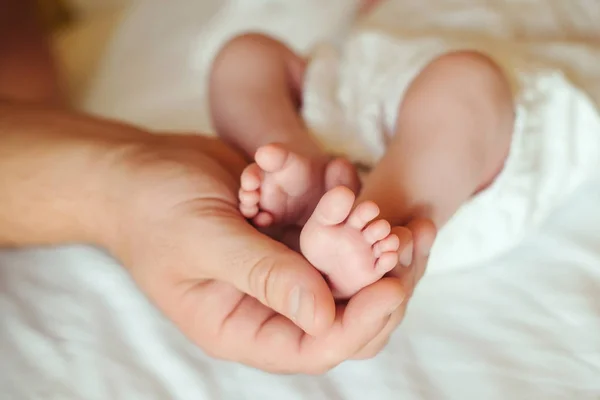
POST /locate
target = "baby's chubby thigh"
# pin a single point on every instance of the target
(555, 148)
(356, 112)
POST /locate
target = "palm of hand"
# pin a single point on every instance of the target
(196, 257)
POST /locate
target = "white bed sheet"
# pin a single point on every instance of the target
(524, 326)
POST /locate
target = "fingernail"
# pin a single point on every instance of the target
(302, 307)
(406, 256)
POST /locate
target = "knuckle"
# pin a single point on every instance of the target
(260, 277)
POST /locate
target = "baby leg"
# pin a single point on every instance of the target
(451, 139)
(255, 94)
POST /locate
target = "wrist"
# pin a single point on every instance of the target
(58, 176)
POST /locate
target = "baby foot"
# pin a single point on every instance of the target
(283, 187)
(346, 245)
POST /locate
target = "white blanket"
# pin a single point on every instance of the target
(523, 326)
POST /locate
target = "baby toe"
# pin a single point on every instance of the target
(377, 231)
(362, 215)
(251, 178)
(249, 197)
(389, 243)
(272, 157)
(249, 211)
(333, 208)
(263, 219)
(386, 262)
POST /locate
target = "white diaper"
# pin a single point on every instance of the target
(351, 101)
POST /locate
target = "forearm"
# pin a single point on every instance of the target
(55, 182)
(27, 70)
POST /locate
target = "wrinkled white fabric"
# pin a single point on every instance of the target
(351, 102)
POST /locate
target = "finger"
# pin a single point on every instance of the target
(407, 281)
(363, 319)
(282, 347)
(405, 249)
(375, 346)
(424, 234)
(239, 328)
(270, 272)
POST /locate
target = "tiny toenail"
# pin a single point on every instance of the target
(406, 256)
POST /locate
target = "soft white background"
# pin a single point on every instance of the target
(525, 326)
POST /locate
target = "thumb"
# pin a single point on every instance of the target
(278, 277)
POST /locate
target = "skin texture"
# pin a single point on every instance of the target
(451, 138)
(166, 206)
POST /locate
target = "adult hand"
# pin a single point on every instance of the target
(165, 205)
(239, 295)
(423, 232)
